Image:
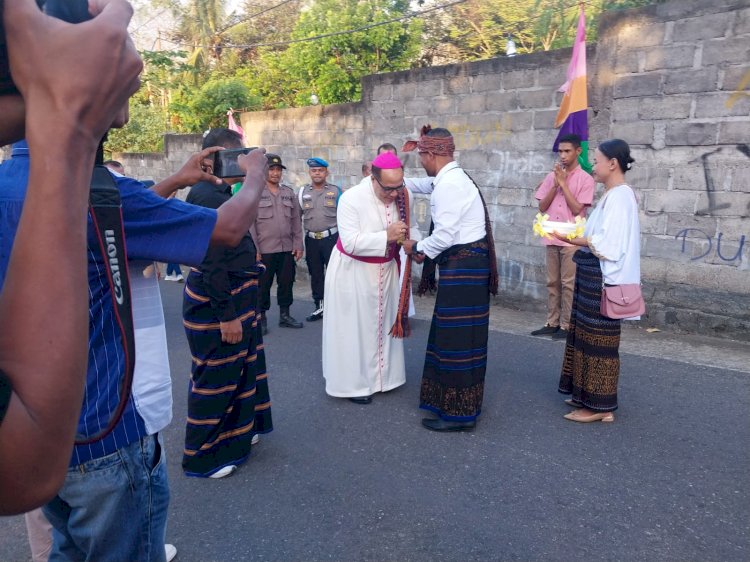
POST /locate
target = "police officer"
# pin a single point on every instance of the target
(277, 233)
(318, 200)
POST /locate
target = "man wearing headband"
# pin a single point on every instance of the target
(461, 243)
(362, 287)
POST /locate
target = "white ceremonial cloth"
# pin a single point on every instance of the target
(359, 357)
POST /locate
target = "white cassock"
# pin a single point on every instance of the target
(361, 300)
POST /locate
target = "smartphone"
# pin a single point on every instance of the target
(225, 163)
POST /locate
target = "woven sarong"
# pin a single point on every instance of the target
(228, 400)
(591, 364)
(456, 358)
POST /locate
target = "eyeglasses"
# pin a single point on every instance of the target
(389, 189)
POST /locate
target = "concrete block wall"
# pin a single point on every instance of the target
(159, 165)
(333, 132)
(672, 79)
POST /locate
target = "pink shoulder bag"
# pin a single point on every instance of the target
(622, 301)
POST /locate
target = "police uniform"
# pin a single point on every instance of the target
(277, 232)
(319, 223)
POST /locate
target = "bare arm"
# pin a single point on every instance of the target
(66, 116)
(192, 172)
(239, 213)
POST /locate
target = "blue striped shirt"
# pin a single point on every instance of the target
(156, 229)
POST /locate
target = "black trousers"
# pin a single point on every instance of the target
(317, 254)
(282, 266)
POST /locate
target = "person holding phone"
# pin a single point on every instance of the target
(221, 324)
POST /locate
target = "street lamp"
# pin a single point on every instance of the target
(510, 48)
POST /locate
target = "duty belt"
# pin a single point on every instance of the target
(322, 234)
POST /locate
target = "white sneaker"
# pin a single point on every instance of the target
(179, 278)
(170, 551)
(169, 278)
(255, 440)
(224, 472)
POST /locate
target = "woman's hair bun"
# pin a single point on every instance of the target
(620, 150)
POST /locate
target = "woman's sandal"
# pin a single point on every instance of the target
(605, 417)
(573, 404)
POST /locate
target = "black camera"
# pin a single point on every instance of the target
(71, 11)
(225, 163)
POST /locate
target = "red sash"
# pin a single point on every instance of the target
(392, 254)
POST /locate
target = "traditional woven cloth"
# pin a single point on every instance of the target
(456, 359)
(591, 364)
(228, 399)
(439, 146)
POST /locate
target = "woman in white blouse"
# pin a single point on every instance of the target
(610, 254)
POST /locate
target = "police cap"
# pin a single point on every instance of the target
(317, 163)
(274, 160)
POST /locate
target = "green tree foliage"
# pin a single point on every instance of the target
(243, 59)
(479, 29)
(208, 106)
(143, 133)
(200, 23)
(331, 67)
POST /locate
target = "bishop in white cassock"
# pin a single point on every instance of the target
(362, 288)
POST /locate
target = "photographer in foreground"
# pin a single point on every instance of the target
(114, 500)
(63, 115)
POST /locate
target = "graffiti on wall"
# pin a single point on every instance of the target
(740, 91)
(723, 255)
(516, 164)
(713, 206)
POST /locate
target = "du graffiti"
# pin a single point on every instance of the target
(698, 232)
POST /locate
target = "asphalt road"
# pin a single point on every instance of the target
(668, 480)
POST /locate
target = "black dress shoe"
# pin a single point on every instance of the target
(546, 330)
(560, 334)
(440, 424)
(361, 399)
(287, 321)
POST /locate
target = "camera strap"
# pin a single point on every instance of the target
(106, 216)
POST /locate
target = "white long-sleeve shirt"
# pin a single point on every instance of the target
(457, 210)
(614, 236)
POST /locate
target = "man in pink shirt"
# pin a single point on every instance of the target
(565, 193)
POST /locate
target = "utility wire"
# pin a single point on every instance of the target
(255, 15)
(335, 33)
(347, 31)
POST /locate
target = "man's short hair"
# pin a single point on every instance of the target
(222, 137)
(112, 163)
(439, 132)
(386, 146)
(575, 140)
